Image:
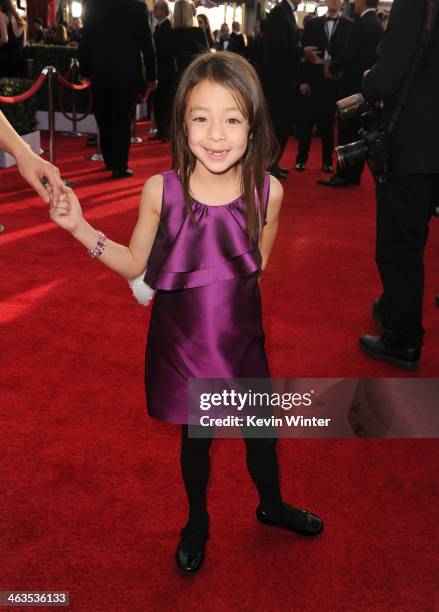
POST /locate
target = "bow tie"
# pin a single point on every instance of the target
(331, 18)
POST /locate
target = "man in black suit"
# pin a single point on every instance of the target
(319, 95)
(358, 55)
(283, 52)
(224, 39)
(406, 202)
(238, 43)
(115, 39)
(167, 74)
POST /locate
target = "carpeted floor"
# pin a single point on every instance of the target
(92, 495)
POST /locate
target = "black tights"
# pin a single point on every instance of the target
(262, 465)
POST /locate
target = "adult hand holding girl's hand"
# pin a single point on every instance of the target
(34, 169)
(67, 212)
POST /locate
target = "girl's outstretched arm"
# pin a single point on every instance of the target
(269, 231)
(128, 261)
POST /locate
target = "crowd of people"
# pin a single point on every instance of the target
(62, 34)
(14, 36)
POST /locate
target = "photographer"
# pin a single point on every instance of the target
(405, 202)
(358, 54)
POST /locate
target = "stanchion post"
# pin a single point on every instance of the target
(51, 113)
(152, 128)
(98, 155)
(30, 68)
(134, 137)
(74, 66)
(74, 116)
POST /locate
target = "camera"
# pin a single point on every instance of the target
(372, 144)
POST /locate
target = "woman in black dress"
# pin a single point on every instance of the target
(186, 41)
(12, 41)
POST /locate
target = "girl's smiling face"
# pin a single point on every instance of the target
(217, 131)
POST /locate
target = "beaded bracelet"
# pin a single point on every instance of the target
(100, 245)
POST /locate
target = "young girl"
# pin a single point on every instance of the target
(199, 234)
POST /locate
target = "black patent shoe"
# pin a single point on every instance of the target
(300, 166)
(300, 521)
(328, 168)
(380, 347)
(190, 552)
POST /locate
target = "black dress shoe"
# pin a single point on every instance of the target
(436, 299)
(120, 174)
(283, 170)
(328, 168)
(189, 555)
(376, 316)
(335, 181)
(300, 166)
(380, 347)
(300, 521)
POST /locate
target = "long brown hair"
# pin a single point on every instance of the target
(239, 77)
(10, 10)
(210, 41)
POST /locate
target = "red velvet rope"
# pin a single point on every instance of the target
(65, 83)
(27, 94)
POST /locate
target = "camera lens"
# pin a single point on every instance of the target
(351, 154)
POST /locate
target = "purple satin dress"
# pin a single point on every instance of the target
(206, 316)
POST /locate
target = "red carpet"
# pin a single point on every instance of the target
(93, 499)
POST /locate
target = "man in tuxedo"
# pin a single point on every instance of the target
(406, 202)
(238, 43)
(319, 95)
(115, 39)
(224, 39)
(358, 55)
(283, 52)
(166, 71)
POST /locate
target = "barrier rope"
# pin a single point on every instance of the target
(27, 94)
(79, 87)
(74, 87)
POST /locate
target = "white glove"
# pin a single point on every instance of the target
(141, 291)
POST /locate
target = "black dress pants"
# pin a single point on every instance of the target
(280, 101)
(319, 111)
(162, 103)
(114, 112)
(404, 208)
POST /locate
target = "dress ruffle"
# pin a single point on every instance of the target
(215, 249)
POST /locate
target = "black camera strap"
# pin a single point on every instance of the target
(432, 7)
